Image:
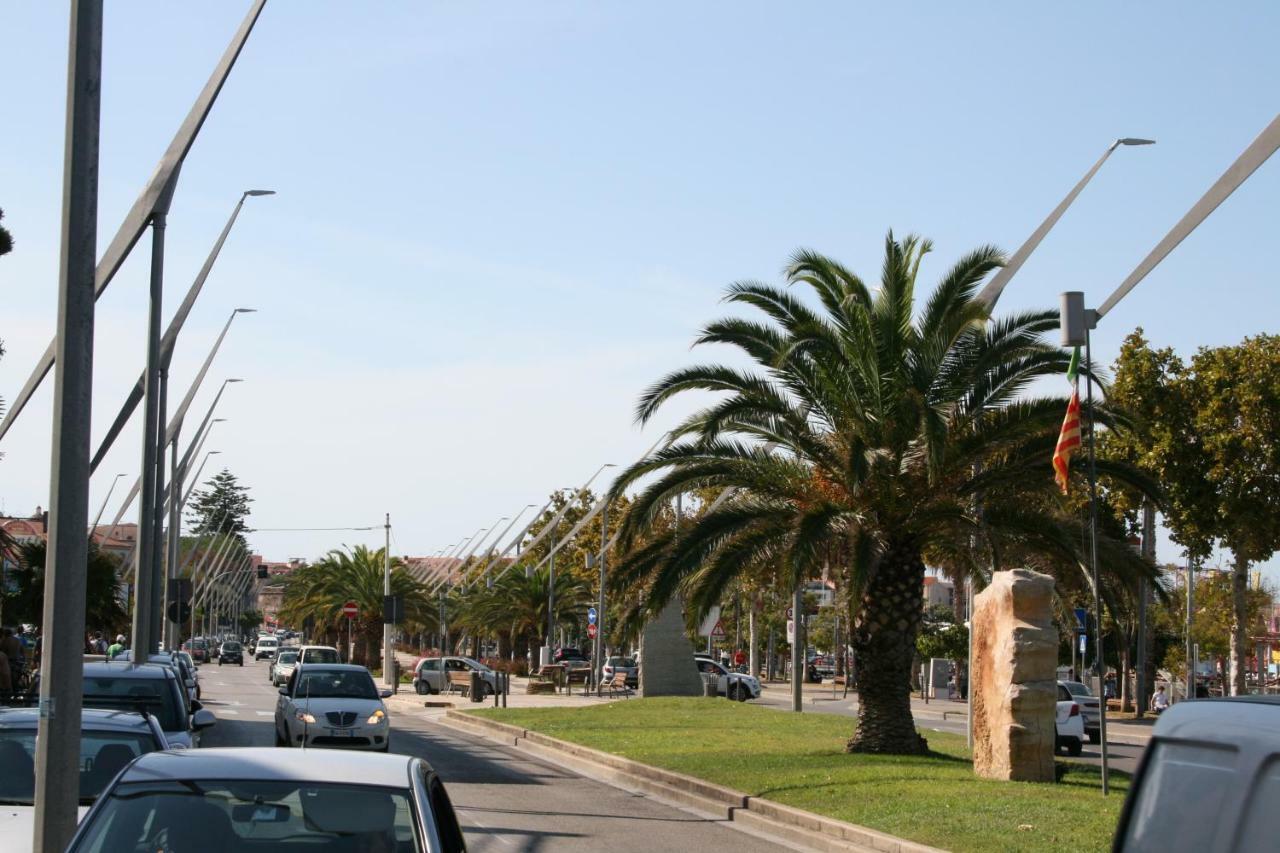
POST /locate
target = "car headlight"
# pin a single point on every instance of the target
(304, 717)
(376, 717)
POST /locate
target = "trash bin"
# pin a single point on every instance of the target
(710, 685)
(395, 676)
(476, 693)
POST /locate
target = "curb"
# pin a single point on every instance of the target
(796, 826)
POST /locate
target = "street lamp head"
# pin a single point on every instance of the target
(235, 380)
(213, 453)
(259, 192)
(245, 311)
(1133, 140)
(219, 420)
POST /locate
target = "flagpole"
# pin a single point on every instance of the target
(1093, 560)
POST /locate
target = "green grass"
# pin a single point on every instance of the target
(799, 760)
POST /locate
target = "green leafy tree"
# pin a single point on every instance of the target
(518, 604)
(221, 507)
(861, 440)
(103, 610)
(318, 591)
(6, 239)
(1211, 442)
(249, 620)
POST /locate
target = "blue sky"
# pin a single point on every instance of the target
(495, 228)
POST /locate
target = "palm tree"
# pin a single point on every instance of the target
(318, 591)
(103, 593)
(863, 440)
(518, 604)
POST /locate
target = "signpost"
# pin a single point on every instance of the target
(350, 610)
(591, 617)
(591, 631)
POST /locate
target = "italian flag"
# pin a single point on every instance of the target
(1069, 436)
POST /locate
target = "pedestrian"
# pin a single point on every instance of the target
(115, 648)
(1160, 702)
(99, 644)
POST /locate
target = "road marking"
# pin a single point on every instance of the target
(265, 713)
(228, 711)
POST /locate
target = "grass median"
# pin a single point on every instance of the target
(799, 760)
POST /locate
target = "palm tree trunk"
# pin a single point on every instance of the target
(884, 640)
(1239, 626)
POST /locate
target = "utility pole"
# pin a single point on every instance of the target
(598, 657)
(1190, 624)
(57, 756)
(388, 654)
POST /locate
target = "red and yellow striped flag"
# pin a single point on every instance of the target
(1069, 436)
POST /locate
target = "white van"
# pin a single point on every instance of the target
(266, 648)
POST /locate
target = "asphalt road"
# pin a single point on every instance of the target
(505, 800)
(1122, 755)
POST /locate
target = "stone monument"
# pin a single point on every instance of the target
(1013, 684)
(666, 655)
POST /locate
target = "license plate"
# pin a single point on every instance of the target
(341, 732)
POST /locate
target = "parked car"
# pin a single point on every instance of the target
(123, 685)
(194, 669)
(1068, 723)
(819, 668)
(332, 705)
(259, 798)
(231, 652)
(266, 647)
(568, 654)
(199, 649)
(317, 654)
(282, 666)
(614, 665)
(431, 674)
(1088, 707)
(1209, 780)
(109, 740)
(734, 685)
(177, 661)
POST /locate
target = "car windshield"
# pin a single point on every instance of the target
(200, 644)
(335, 684)
(1078, 689)
(231, 647)
(321, 656)
(287, 657)
(131, 693)
(233, 815)
(103, 754)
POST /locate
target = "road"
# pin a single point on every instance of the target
(505, 800)
(1122, 752)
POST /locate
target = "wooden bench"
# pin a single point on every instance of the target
(460, 680)
(619, 682)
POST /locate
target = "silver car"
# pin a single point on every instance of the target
(248, 799)
(432, 674)
(282, 667)
(334, 705)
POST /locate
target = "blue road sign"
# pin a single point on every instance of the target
(1081, 616)
(1084, 641)
(591, 616)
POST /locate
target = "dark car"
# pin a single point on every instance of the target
(567, 654)
(1209, 780)
(231, 652)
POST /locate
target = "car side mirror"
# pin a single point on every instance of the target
(202, 719)
(284, 690)
(197, 705)
(384, 693)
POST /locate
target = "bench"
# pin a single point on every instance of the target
(619, 682)
(460, 680)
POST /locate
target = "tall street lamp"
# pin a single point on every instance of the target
(93, 528)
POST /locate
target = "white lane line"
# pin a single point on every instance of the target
(232, 711)
(265, 713)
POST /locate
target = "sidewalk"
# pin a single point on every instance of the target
(517, 698)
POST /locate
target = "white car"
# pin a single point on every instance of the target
(266, 647)
(734, 685)
(334, 705)
(1068, 724)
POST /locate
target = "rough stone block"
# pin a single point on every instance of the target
(1014, 682)
(666, 656)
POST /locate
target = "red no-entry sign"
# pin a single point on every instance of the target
(591, 632)
(351, 610)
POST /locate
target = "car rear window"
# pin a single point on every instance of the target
(1179, 773)
(103, 754)
(287, 657)
(231, 647)
(628, 663)
(231, 815)
(319, 656)
(155, 693)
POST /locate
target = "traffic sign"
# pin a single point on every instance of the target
(1082, 619)
(718, 630)
(591, 616)
(790, 613)
(179, 611)
(591, 631)
(1084, 643)
(351, 610)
